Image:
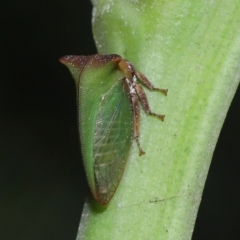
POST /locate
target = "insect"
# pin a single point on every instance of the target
(108, 95)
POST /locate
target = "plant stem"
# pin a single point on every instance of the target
(193, 49)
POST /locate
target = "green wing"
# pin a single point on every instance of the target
(112, 139)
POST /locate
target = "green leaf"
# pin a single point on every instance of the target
(193, 49)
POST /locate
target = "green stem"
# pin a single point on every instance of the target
(193, 49)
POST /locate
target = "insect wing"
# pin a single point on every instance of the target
(112, 139)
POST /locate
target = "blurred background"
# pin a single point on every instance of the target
(42, 182)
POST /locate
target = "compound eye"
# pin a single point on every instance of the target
(127, 68)
(131, 68)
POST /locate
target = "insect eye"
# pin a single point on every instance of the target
(131, 68)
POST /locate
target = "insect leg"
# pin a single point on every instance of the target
(146, 82)
(136, 120)
(142, 96)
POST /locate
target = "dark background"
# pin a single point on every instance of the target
(42, 183)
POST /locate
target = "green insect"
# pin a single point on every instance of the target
(108, 95)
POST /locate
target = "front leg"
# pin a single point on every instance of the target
(148, 84)
(142, 96)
